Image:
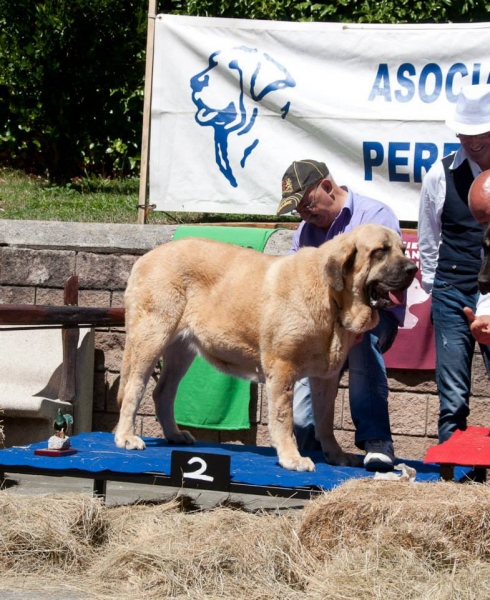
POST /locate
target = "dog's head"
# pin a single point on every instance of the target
(227, 95)
(367, 270)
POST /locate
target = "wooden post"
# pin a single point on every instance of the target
(70, 336)
(145, 140)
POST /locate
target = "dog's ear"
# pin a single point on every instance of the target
(269, 76)
(339, 263)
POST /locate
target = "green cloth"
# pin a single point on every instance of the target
(250, 237)
(207, 398)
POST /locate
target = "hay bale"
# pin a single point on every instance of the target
(149, 551)
(440, 523)
(49, 532)
(222, 553)
(364, 540)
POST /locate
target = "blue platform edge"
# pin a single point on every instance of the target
(251, 465)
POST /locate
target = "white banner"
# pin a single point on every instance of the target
(236, 101)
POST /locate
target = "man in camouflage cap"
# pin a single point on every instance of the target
(327, 209)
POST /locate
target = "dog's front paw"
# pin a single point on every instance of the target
(130, 442)
(182, 438)
(354, 460)
(300, 463)
(345, 459)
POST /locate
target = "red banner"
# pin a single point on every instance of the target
(414, 345)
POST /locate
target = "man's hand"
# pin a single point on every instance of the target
(479, 326)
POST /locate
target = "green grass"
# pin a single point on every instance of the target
(94, 200)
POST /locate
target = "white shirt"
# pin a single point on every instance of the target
(432, 198)
(483, 305)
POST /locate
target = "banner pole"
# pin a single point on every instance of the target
(145, 139)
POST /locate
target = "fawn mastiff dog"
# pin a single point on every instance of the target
(271, 319)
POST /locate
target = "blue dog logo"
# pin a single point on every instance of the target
(232, 110)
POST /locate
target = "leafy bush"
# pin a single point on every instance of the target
(343, 11)
(71, 85)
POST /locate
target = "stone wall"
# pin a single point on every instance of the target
(37, 258)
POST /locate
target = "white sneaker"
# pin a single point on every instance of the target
(380, 455)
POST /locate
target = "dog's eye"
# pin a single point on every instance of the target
(379, 253)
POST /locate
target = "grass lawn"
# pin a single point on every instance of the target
(93, 201)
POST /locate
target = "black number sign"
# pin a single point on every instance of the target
(200, 470)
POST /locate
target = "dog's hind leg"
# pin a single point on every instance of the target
(144, 346)
(176, 362)
(323, 394)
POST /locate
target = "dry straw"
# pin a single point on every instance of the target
(440, 523)
(364, 540)
(55, 532)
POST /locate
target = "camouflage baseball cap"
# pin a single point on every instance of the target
(296, 180)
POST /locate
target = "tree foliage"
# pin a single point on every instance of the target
(340, 11)
(71, 76)
(72, 73)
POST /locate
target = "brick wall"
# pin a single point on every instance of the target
(36, 259)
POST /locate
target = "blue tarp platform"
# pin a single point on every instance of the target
(252, 469)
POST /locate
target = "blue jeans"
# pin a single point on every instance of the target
(454, 353)
(368, 390)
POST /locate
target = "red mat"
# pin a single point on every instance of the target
(465, 448)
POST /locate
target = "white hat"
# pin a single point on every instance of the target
(472, 115)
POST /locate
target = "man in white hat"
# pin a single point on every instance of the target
(450, 242)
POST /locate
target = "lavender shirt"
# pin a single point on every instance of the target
(356, 210)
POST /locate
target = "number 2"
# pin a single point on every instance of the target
(199, 472)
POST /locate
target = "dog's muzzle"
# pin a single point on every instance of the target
(388, 293)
